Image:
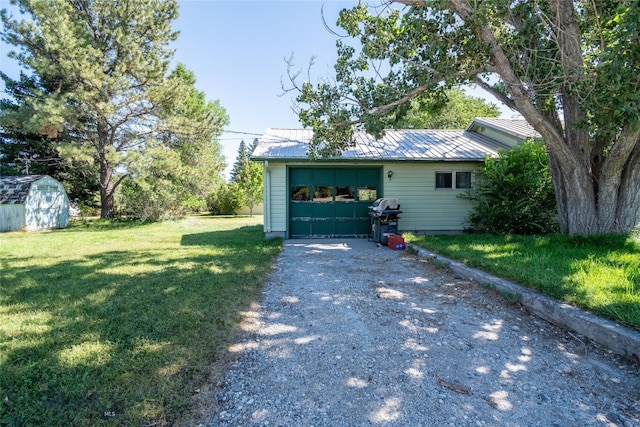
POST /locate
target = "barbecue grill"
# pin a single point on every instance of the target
(384, 219)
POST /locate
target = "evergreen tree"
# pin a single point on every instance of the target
(27, 153)
(239, 163)
(247, 177)
(108, 63)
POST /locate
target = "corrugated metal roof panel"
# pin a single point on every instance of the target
(411, 144)
(517, 127)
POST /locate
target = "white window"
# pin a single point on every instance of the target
(444, 179)
(463, 179)
(449, 179)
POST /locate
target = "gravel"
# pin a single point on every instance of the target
(351, 334)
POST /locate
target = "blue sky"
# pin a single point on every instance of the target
(237, 50)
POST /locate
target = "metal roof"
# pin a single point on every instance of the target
(516, 127)
(410, 144)
(15, 189)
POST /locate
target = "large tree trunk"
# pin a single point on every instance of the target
(574, 196)
(107, 186)
(602, 198)
(107, 203)
(605, 201)
(619, 189)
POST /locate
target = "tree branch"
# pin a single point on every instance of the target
(552, 135)
(495, 92)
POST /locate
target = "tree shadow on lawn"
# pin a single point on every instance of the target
(102, 225)
(87, 343)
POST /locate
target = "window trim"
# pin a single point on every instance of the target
(454, 180)
(470, 180)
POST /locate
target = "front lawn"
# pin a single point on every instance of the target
(600, 273)
(109, 323)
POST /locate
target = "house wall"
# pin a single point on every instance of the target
(275, 221)
(497, 135)
(425, 208)
(12, 218)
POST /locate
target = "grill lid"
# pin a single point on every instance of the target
(384, 204)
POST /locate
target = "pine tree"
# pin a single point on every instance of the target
(28, 153)
(239, 163)
(247, 177)
(108, 62)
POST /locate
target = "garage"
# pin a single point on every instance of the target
(427, 170)
(331, 201)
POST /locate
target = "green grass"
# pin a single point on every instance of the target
(118, 323)
(600, 273)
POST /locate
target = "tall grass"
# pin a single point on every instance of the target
(109, 323)
(598, 273)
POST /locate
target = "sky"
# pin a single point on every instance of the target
(238, 51)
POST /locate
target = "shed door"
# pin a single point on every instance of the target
(48, 210)
(331, 202)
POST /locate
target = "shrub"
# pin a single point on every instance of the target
(224, 200)
(514, 193)
(157, 201)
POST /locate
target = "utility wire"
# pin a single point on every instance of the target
(242, 133)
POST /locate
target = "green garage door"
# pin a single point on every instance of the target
(331, 202)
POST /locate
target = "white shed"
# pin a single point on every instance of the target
(32, 202)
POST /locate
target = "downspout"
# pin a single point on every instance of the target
(267, 196)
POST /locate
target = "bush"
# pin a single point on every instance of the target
(224, 200)
(157, 201)
(514, 193)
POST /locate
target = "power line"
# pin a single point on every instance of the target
(242, 133)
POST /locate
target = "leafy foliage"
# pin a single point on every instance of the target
(247, 177)
(174, 178)
(223, 200)
(514, 193)
(452, 109)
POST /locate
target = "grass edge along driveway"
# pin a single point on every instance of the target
(600, 274)
(108, 323)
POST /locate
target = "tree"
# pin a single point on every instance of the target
(176, 176)
(107, 63)
(247, 177)
(569, 67)
(223, 200)
(451, 109)
(23, 152)
(513, 193)
(239, 163)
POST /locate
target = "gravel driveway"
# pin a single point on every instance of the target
(350, 334)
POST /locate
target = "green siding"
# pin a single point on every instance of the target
(425, 208)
